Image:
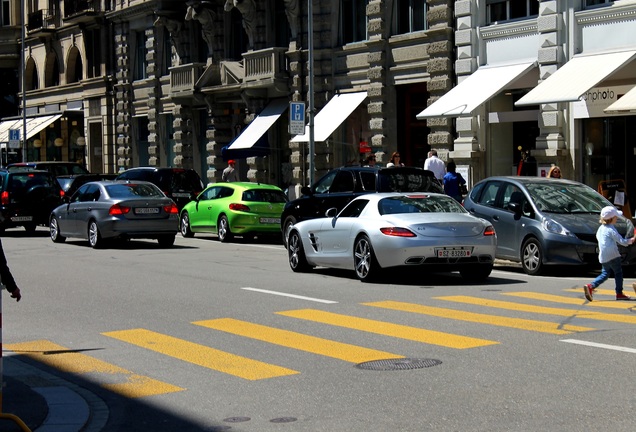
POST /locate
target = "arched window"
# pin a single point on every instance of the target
(51, 71)
(74, 67)
(31, 71)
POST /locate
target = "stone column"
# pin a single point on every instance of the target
(123, 92)
(219, 134)
(183, 152)
(377, 78)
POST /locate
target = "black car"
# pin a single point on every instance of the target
(27, 198)
(57, 168)
(341, 185)
(71, 183)
(181, 185)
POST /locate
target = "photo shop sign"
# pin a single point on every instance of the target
(594, 101)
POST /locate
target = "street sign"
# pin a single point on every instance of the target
(296, 118)
(14, 138)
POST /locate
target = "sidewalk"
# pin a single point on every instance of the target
(47, 403)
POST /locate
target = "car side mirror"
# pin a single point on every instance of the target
(306, 190)
(515, 207)
(332, 212)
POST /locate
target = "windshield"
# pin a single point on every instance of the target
(566, 198)
(419, 204)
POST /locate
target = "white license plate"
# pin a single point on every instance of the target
(269, 220)
(22, 218)
(452, 253)
(181, 195)
(147, 210)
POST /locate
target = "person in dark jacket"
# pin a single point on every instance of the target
(7, 277)
(453, 181)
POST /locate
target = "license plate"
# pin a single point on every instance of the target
(22, 218)
(147, 210)
(452, 253)
(181, 195)
(269, 220)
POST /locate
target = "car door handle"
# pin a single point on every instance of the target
(495, 218)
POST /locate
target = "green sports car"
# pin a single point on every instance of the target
(229, 209)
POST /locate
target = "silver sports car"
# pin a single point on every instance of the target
(116, 209)
(378, 231)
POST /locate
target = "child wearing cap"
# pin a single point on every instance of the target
(608, 255)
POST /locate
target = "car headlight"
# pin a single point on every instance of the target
(556, 228)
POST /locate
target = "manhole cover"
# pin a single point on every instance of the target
(398, 364)
(236, 419)
(284, 420)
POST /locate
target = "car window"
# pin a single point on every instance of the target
(368, 180)
(344, 182)
(419, 204)
(211, 193)
(186, 180)
(132, 175)
(264, 195)
(354, 208)
(512, 194)
(394, 180)
(225, 192)
(90, 193)
(28, 180)
(323, 185)
(489, 194)
(555, 197)
(77, 196)
(133, 190)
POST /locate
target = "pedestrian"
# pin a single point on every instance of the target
(7, 277)
(370, 160)
(230, 174)
(395, 160)
(555, 172)
(435, 164)
(610, 258)
(453, 181)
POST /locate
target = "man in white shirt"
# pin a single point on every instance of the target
(435, 164)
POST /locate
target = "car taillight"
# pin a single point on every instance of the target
(239, 207)
(117, 210)
(4, 198)
(171, 209)
(490, 231)
(62, 194)
(397, 232)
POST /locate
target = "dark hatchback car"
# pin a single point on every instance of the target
(180, 185)
(543, 221)
(341, 185)
(57, 168)
(27, 198)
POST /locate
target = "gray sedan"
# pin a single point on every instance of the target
(116, 209)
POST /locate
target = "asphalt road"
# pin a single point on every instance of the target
(208, 336)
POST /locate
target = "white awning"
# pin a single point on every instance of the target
(332, 115)
(576, 77)
(33, 126)
(475, 90)
(261, 124)
(626, 103)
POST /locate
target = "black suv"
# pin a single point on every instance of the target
(27, 198)
(181, 185)
(56, 168)
(341, 185)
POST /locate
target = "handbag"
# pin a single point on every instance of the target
(463, 189)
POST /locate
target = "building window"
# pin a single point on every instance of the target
(139, 68)
(592, 3)
(92, 47)
(408, 16)
(6, 13)
(353, 21)
(506, 10)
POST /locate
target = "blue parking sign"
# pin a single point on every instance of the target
(296, 118)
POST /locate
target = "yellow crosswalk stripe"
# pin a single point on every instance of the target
(389, 329)
(299, 341)
(67, 360)
(201, 355)
(572, 313)
(501, 321)
(613, 304)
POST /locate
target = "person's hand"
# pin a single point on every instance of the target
(631, 240)
(17, 296)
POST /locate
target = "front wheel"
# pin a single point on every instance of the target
(532, 257)
(94, 237)
(365, 263)
(296, 253)
(54, 227)
(185, 225)
(225, 233)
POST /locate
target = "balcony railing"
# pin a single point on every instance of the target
(266, 64)
(184, 77)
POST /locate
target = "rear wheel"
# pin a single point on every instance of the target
(365, 263)
(476, 273)
(185, 225)
(54, 227)
(225, 234)
(289, 223)
(532, 257)
(296, 253)
(94, 237)
(166, 240)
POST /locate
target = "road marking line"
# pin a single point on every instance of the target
(289, 295)
(501, 321)
(613, 304)
(71, 361)
(299, 341)
(600, 345)
(201, 355)
(389, 329)
(571, 313)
